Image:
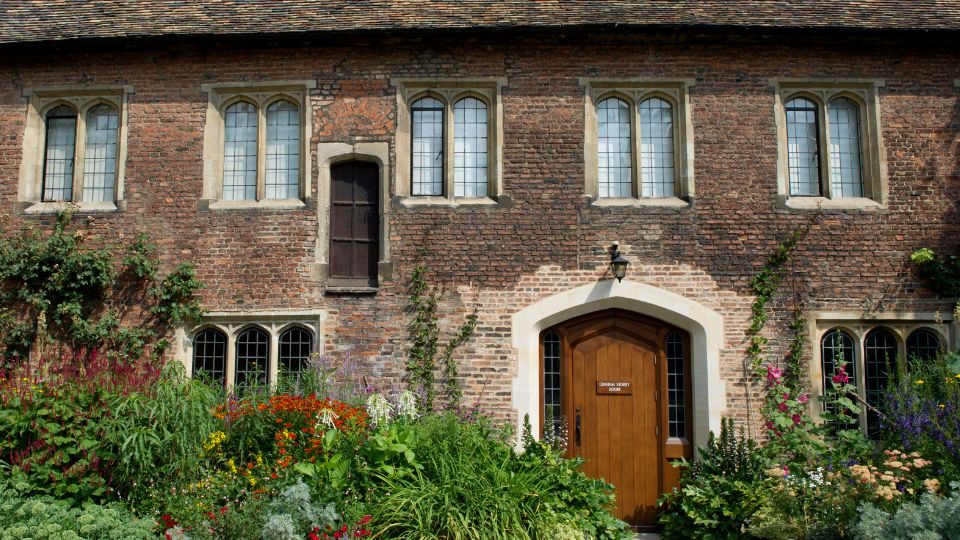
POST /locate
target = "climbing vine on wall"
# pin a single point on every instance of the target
(424, 348)
(943, 273)
(55, 289)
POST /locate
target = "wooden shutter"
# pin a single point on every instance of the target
(354, 224)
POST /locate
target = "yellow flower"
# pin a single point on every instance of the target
(941, 405)
(957, 375)
(919, 381)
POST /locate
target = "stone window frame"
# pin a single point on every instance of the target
(635, 91)
(261, 95)
(449, 91)
(858, 326)
(39, 102)
(274, 323)
(865, 93)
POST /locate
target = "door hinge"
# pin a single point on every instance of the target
(657, 431)
(656, 395)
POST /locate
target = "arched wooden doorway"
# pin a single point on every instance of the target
(620, 385)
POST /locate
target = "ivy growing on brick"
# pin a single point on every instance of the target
(941, 271)
(54, 288)
(424, 348)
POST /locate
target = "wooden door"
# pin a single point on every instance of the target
(625, 418)
(354, 224)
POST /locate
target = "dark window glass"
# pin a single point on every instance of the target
(803, 154)
(552, 405)
(210, 355)
(836, 348)
(922, 345)
(426, 116)
(253, 349)
(296, 344)
(61, 139)
(879, 359)
(676, 386)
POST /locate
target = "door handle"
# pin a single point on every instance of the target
(577, 427)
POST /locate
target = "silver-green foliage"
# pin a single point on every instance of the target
(933, 518)
(40, 518)
(292, 514)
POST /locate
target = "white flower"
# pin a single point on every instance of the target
(379, 409)
(326, 417)
(407, 404)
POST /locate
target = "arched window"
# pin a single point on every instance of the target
(283, 150)
(879, 359)
(296, 344)
(803, 156)
(656, 148)
(210, 355)
(427, 137)
(61, 139)
(552, 404)
(240, 151)
(676, 385)
(470, 148)
(845, 162)
(253, 352)
(100, 156)
(615, 169)
(836, 347)
(922, 345)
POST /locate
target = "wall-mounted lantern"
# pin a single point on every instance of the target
(617, 263)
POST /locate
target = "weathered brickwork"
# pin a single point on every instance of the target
(543, 237)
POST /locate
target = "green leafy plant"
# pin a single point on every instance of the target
(942, 271)
(933, 517)
(56, 288)
(424, 332)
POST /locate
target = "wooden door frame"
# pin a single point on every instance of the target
(669, 448)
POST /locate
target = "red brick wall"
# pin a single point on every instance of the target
(490, 256)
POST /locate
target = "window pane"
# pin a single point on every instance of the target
(615, 172)
(240, 152)
(845, 164)
(922, 345)
(210, 355)
(296, 344)
(676, 386)
(253, 347)
(802, 153)
(836, 347)
(552, 404)
(880, 356)
(283, 151)
(427, 129)
(656, 148)
(470, 148)
(58, 160)
(100, 154)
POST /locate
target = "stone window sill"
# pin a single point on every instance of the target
(77, 207)
(824, 203)
(431, 200)
(265, 204)
(643, 202)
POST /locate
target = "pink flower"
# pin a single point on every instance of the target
(841, 377)
(773, 373)
(783, 407)
(786, 470)
(803, 398)
(796, 418)
(770, 425)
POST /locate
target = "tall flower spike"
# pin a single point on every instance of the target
(379, 409)
(407, 404)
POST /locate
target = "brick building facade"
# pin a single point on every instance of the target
(534, 250)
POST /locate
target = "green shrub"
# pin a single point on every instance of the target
(473, 485)
(44, 517)
(933, 518)
(717, 495)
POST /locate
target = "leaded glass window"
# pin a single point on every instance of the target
(240, 152)
(676, 385)
(210, 355)
(879, 359)
(470, 148)
(283, 150)
(61, 138)
(252, 356)
(552, 404)
(295, 346)
(614, 148)
(427, 134)
(100, 155)
(922, 345)
(803, 159)
(656, 148)
(836, 348)
(845, 160)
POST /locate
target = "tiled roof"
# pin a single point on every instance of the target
(25, 21)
